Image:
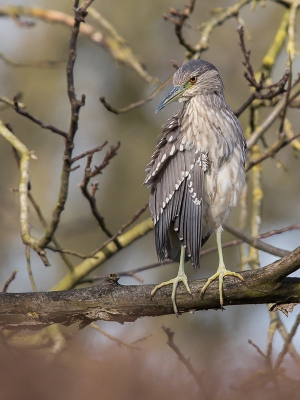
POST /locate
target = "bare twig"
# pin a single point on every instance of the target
(292, 40)
(256, 243)
(42, 124)
(130, 272)
(34, 64)
(272, 91)
(207, 27)
(259, 131)
(272, 150)
(11, 103)
(88, 152)
(261, 236)
(90, 195)
(284, 111)
(274, 316)
(138, 104)
(9, 280)
(185, 361)
(287, 342)
(71, 252)
(257, 348)
(284, 334)
(123, 227)
(54, 240)
(178, 18)
(113, 338)
(29, 269)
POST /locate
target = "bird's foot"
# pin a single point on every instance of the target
(221, 273)
(181, 277)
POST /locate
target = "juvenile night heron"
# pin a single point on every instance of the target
(196, 173)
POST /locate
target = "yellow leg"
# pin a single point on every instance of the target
(181, 277)
(221, 271)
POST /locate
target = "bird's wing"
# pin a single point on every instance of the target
(164, 149)
(176, 176)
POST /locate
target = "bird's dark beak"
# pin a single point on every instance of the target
(173, 95)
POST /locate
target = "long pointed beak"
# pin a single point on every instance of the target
(173, 95)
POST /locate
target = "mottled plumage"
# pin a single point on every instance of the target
(197, 170)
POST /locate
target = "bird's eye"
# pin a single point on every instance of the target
(193, 80)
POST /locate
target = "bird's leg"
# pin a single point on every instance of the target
(181, 277)
(221, 271)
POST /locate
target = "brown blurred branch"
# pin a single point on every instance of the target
(9, 280)
(113, 338)
(119, 50)
(287, 343)
(33, 64)
(186, 361)
(113, 302)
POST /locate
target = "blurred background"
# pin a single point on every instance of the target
(216, 342)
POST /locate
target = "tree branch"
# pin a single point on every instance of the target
(42, 124)
(119, 50)
(111, 301)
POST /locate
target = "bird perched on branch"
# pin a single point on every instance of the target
(196, 173)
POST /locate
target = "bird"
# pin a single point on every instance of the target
(196, 173)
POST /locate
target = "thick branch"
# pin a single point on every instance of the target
(113, 302)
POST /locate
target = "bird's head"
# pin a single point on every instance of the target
(193, 78)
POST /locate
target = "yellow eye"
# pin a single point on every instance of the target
(193, 79)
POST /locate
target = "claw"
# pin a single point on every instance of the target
(221, 273)
(181, 277)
